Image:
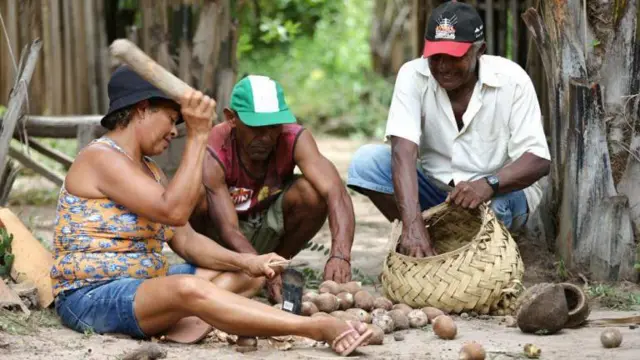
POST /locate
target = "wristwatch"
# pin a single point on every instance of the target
(494, 182)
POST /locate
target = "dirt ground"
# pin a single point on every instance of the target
(44, 338)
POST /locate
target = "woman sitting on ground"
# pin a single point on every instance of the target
(116, 210)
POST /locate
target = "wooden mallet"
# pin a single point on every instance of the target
(150, 70)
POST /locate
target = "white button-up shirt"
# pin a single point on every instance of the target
(501, 123)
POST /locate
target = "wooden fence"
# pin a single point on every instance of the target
(71, 76)
(73, 71)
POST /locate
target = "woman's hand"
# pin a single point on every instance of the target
(197, 110)
(258, 265)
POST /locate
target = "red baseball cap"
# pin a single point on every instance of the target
(452, 28)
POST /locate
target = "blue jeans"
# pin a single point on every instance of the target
(106, 307)
(370, 169)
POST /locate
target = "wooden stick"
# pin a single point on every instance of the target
(36, 166)
(150, 70)
(58, 156)
(17, 101)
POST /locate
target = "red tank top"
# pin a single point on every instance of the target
(251, 195)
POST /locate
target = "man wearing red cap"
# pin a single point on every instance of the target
(468, 124)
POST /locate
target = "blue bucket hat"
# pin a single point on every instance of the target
(127, 88)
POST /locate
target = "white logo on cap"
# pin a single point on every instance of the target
(446, 28)
(479, 31)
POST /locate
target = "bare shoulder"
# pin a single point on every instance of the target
(89, 166)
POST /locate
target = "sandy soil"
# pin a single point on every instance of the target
(369, 249)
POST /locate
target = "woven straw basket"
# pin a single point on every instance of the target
(478, 268)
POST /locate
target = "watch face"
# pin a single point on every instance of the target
(493, 180)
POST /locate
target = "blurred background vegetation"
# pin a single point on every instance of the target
(319, 51)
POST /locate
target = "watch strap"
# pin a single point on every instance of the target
(493, 181)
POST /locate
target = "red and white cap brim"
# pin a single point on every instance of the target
(452, 48)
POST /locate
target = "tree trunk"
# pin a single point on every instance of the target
(591, 57)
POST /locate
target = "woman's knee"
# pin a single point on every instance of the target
(192, 288)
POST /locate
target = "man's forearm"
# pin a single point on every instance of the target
(233, 237)
(225, 219)
(341, 222)
(405, 182)
(522, 173)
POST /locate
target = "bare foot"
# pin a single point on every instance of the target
(344, 336)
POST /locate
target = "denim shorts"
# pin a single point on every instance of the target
(106, 307)
(370, 169)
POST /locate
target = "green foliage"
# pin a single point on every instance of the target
(3, 109)
(326, 73)
(6, 257)
(612, 298)
(272, 22)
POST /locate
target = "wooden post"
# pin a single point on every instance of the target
(80, 55)
(17, 100)
(38, 84)
(69, 60)
(489, 27)
(86, 133)
(103, 59)
(49, 88)
(90, 48)
(56, 53)
(515, 35)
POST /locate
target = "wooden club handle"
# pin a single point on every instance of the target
(150, 70)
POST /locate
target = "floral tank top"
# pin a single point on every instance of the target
(98, 240)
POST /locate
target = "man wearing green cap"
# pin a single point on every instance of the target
(254, 202)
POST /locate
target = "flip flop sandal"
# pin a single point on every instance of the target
(189, 330)
(292, 286)
(361, 339)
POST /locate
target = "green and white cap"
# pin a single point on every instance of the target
(259, 101)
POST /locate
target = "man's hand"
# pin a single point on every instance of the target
(470, 194)
(338, 270)
(415, 242)
(258, 265)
